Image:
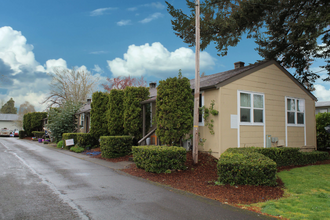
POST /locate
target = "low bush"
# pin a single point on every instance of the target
(38, 134)
(82, 139)
(115, 146)
(77, 149)
(159, 159)
(313, 157)
(46, 142)
(246, 168)
(60, 144)
(21, 134)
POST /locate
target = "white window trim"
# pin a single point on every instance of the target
(251, 109)
(296, 122)
(202, 122)
(252, 118)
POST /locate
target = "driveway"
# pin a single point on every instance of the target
(42, 182)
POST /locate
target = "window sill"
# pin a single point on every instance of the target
(252, 124)
(295, 125)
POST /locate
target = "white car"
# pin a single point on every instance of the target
(5, 132)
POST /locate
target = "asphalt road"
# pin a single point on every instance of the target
(41, 182)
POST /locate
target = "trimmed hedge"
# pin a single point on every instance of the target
(99, 111)
(322, 136)
(133, 110)
(38, 134)
(33, 121)
(159, 159)
(115, 146)
(285, 156)
(21, 134)
(115, 114)
(82, 139)
(246, 168)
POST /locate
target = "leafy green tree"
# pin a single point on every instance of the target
(323, 137)
(62, 119)
(133, 124)
(116, 112)
(33, 121)
(285, 30)
(9, 107)
(174, 109)
(99, 111)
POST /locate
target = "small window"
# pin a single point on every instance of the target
(295, 110)
(251, 108)
(82, 118)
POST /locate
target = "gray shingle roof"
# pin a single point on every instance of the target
(84, 109)
(322, 104)
(8, 117)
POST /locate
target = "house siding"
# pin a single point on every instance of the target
(275, 85)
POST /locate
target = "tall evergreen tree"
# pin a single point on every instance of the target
(115, 112)
(174, 109)
(285, 30)
(99, 111)
(9, 107)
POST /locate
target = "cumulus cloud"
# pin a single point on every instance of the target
(123, 22)
(24, 79)
(151, 17)
(156, 60)
(101, 11)
(321, 93)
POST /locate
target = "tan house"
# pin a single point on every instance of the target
(84, 118)
(259, 105)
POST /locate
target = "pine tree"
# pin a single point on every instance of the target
(9, 107)
(284, 30)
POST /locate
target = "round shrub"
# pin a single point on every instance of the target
(60, 144)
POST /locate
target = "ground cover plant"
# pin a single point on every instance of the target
(308, 194)
(77, 149)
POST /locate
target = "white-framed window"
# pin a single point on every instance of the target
(82, 118)
(252, 108)
(201, 104)
(295, 111)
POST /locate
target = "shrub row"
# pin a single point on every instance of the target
(21, 134)
(285, 156)
(246, 168)
(38, 134)
(115, 146)
(81, 139)
(159, 159)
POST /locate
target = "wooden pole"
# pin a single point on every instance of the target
(196, 99)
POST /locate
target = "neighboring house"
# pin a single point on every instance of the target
(8, 121)
(259, 105)
(84, 118)
(321, 107)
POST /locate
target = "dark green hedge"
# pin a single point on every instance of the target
(21, 134)
(115, 146)
(323, 137)
(38, 134)
(33, 121)
(246, 168)
(99, 111)
(133, 110)
(159, 159)
(116, 113)
(81, 139)
(285, 156)
(174, 113)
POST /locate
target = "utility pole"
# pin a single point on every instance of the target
(196, 99)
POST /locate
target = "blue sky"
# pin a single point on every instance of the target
(108, 38)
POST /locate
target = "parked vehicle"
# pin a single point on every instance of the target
(16, 133)
(5, 132)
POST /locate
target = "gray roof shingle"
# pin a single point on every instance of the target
(8, 117)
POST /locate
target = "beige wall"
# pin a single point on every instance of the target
(275, 85)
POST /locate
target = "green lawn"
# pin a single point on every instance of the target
(307, 194)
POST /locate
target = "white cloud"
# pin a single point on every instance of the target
(157, 5)
(123, 22)
(100, 11)
(321, 93)
(99, 52)
(98, 69)
(156, 60)
(151, 17)
(132, 9)
(26, 79)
